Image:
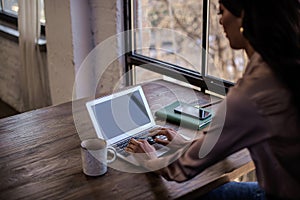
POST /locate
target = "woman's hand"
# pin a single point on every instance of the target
(174, 139)
(142, 149)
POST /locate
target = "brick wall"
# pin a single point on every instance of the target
(62, 61)
(9, 73)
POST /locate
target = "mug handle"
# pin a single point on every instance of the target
(114, 152)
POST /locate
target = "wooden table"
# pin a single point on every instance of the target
(40, 159)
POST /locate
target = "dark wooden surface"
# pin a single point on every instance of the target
(40, 159)
(6, 110)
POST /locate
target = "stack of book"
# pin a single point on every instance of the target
(168, 114)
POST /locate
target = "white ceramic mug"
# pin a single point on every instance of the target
(94, 156)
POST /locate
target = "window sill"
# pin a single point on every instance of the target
(13, 35)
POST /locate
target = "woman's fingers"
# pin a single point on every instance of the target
(132, 145)
(158, 130)
(162, 141)
(139, 146)
(142, 146)
(168, 132)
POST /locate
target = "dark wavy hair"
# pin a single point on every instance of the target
(273, 29)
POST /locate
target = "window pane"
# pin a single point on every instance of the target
(223, 62)
(43, 19)
(143, 75)
(170, 31)
(11, 6)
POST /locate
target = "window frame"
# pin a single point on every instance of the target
(203, 80)
(12, 19)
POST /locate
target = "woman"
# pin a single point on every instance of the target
(262, 109)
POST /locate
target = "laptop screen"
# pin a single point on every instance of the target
(121, 114)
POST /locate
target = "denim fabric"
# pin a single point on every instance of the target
(236, 190)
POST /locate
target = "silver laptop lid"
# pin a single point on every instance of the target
(121, 114)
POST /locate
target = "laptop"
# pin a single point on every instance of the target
(121, 116)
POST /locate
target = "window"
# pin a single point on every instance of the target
(9, 12)
(223, 62)
(181, 39)
(10, 6)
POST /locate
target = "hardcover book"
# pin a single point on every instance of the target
(167, 114)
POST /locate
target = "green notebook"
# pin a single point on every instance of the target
(167, 113)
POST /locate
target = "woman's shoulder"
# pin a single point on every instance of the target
(260, 85)
(257, 68)
(258, 76)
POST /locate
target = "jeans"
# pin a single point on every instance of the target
(236, 190)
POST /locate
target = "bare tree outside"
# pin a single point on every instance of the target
(184, 17)
(223, 62)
